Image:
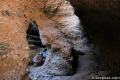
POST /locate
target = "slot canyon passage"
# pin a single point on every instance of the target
(59, 39)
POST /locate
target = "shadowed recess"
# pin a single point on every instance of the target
(33, 36)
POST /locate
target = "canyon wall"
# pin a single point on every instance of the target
(15, 17)
(101, 21)
(61, 31)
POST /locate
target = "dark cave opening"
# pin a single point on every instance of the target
(38, 52)
(102, 29)
(33, 36)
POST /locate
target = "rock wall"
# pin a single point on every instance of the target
(66, 35)
(15, 16)
(101, 22)
(63, 34)
(60, 31)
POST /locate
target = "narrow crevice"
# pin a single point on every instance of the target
(33, 36)
(75, 63)
(38, 50)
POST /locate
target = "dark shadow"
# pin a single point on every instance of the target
(33, 36)
(75, 54)
(103, 29)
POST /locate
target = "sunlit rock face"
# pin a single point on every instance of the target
(101, 21)
(15, 15)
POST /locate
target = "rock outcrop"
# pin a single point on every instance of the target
(58, 61)
(60, 31)
(15, 16)
(70, 54)
(66, 35)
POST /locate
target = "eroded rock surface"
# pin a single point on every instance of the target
(60, 30)
(15, 16)
(68, 34)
